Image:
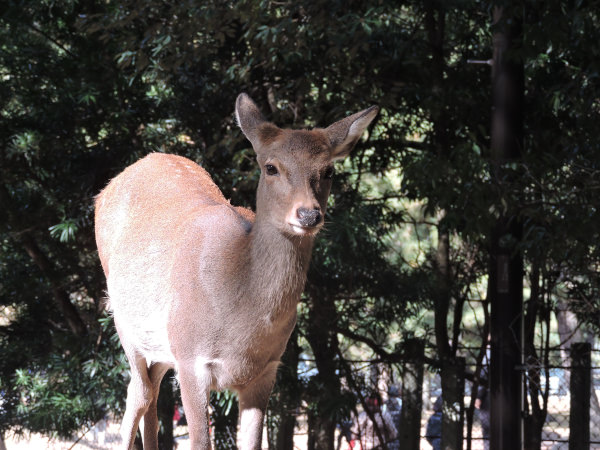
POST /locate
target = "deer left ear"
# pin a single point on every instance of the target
(259, 131)
(344, 134)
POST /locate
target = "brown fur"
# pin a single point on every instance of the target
(208, 288)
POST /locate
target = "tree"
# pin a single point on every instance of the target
(64, 125)
(89, 87)
(506, 265)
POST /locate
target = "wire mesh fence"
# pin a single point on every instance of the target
(548, 398)
(555, 398)
(547, 384)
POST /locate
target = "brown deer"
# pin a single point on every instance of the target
(208, 288)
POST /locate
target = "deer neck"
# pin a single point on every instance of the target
(277, 266)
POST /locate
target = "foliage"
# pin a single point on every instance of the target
(89, 87)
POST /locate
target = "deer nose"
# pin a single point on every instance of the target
(309, 217)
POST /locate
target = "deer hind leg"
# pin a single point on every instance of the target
(253, 404)
(149, 423)
(139, 398)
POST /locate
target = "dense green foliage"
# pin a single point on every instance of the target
(89, 87)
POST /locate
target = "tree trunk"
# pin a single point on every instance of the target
(568, 332)
(435, 20)
(534, 420)
(506, 263)
(283, 422)
(409, 434)
(453, 391)
(594, 403)
(26, 239)
(166, 407)
(323, 341)
(581, 381)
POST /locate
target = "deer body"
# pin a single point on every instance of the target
(208, 288)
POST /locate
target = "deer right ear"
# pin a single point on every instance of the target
(252, 123)
(344, 134)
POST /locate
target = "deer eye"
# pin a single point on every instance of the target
(328, 173)
(271, 169)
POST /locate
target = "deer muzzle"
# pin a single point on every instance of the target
(309, 217)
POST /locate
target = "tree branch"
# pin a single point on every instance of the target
(54, 41)
(26, 239)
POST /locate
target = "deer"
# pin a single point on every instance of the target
(211, 289)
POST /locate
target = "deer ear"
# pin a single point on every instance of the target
(253, 124)
(344, 134)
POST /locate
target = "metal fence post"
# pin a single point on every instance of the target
(453, 392)
(412, 396)
(581, 380)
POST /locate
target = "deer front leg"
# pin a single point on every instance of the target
(195, 390)
(253, 403)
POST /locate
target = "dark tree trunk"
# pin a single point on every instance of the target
(323, 340)
(409, 434)
(166, 408)
(534, 421)
(41, 260)
(581, 381)
(283, 418)
(506, 263)
(453, 388)
(435, 21)
(568, 332)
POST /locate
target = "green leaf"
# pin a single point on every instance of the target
(64, 231)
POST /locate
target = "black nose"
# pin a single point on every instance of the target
(309, 217)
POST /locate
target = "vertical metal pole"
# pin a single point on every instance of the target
(506, 263)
